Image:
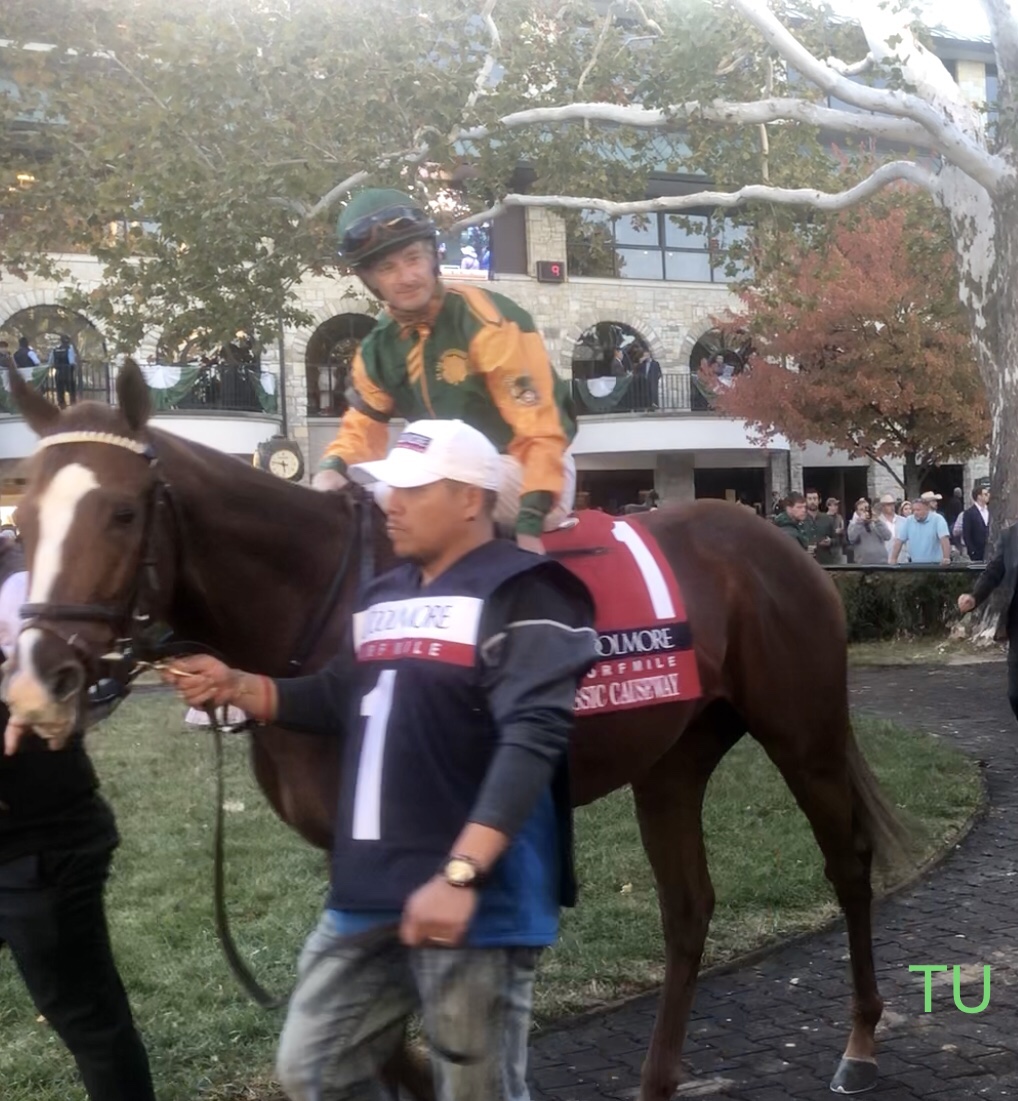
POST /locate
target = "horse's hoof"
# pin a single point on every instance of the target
(854, 1076)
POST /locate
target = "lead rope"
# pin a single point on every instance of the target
(241, 972)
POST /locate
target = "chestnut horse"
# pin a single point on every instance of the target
(117, 514)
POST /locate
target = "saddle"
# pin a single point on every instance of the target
(644, 642)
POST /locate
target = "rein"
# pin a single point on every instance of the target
(135, 653)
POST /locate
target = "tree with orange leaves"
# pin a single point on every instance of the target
(860, 341)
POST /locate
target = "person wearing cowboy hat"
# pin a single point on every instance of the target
(931, 500)
(443, 352)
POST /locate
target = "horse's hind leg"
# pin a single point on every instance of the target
(669, 801)
(821, 776)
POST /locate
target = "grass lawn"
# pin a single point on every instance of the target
(207, 1041)
(925, 651)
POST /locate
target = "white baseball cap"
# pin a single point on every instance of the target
(430, 451)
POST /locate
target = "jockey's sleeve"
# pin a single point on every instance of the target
(363, 432)
(538, 643)
(521, 382)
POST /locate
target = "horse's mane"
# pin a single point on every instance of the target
(192, 466)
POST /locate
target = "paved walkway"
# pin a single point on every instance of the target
(775, 1030)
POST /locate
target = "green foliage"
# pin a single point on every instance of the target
(897, 604)
(196, 149)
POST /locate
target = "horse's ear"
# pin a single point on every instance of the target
(41, 415)
(132, 395)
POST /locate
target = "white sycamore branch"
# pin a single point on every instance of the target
(675, 118)
(959, 147)
(785, 196)
(487, 15)
(854, 69)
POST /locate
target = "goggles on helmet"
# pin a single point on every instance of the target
(368, 235)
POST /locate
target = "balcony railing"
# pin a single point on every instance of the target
(672, 393)
(91, 383)
(218, 388)
(174, 389)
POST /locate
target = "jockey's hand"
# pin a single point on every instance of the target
(530, 543)
(202, 680)
(966, 602)
(328, 479)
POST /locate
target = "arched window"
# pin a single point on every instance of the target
(328, 359)
(44, 326)
(607, 372)
(203, 372)
(721, 356)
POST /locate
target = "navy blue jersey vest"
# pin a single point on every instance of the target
(420, 749)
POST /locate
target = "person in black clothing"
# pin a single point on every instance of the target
(25, 357)
(64, 360)
(1002, 569)
(975, 524)
(452, 847)
(57, 837)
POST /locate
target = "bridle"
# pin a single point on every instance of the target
(133, 617)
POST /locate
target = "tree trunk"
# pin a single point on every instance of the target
(987, 238)
(911, 476)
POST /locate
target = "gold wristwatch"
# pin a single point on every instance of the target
(463, 871)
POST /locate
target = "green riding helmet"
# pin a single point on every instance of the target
(378, 220)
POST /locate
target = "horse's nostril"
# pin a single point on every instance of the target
(66, 681)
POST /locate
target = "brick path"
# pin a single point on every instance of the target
(775, 1030)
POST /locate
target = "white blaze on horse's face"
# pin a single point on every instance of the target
(26, 692)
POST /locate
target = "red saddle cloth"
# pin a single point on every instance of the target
(644, 641)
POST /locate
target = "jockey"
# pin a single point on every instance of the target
(443, 352)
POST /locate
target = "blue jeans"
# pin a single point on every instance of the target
(355, 994)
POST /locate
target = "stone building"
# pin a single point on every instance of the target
(659, 291)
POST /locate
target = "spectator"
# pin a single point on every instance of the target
(932, 500)
(954, 507)
(650, 371)
(868, 536)
(976, 523)
(791, 520)
(25, 357)
(834, 511)
(64, 360)
(820, 529)
(888, 514)
(777, 503)
(925, 535)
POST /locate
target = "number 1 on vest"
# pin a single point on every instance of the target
(367, 800)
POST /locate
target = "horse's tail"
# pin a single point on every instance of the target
(893, 847)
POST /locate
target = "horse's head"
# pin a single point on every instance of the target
(85, 520)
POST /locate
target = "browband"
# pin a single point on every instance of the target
(109, 438)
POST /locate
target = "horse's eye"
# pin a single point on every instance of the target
(124, 515)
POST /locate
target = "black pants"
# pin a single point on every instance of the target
(66, 386)
(53, 921)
